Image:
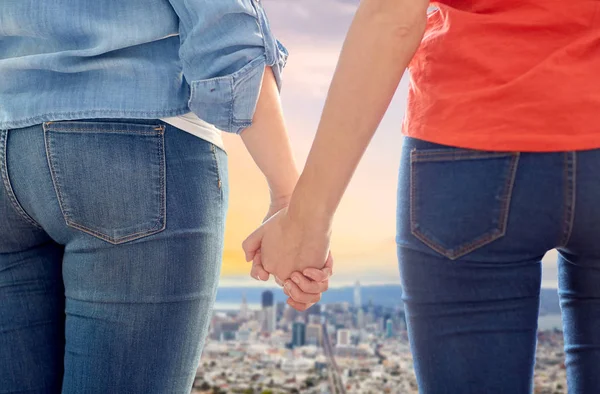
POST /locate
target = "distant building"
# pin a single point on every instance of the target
(402, 320)
(353, 351)
(269, 314)
(314, 319)
(314, 334)
(370, 316)
(227, 336)
(267, 299)
(290, 314)
(228, 331)
(298, 334)
(343, 337)
(360, 318)
(314, 310)
(389, 328)
(243, 336)
(244, 310)
(297, 365)
(269, 319)
(224, 330)
(384, 321)
(279, 310)
(357, 295)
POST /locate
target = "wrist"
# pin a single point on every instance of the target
(281, 192)
(303, 209)
(280, 201)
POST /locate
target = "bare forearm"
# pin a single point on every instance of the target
(268, 143)
(380, 44)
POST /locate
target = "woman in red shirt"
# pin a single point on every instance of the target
(500, 165)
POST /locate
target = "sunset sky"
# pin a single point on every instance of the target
(364, 230)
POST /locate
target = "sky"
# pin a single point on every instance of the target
(364, 229)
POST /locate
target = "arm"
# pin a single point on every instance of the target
(389, 31)
(268, 143)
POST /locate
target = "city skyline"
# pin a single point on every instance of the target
(329, 350)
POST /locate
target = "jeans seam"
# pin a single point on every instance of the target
(52, 172)
(570, 179)
(489, 237)
(7, 184)
(216, 160)
(162, 221)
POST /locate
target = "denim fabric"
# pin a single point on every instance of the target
(110, 251)
(472, 230)
(149, 59)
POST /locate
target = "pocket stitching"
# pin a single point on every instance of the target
(159, 131)
(445, 155)
(119, 240)
(74, 131)
(483, 240)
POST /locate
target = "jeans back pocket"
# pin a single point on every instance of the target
(109, 177)
(460, 199)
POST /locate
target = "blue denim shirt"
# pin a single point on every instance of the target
(64, 59)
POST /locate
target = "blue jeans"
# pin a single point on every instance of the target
(472, 230)
(110, 251)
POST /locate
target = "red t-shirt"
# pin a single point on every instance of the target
(508, 75)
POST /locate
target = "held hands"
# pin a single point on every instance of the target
(295, 253)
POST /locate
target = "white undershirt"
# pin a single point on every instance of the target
(191, 123)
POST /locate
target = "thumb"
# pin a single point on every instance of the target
(252, 244)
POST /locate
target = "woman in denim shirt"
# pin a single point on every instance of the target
(114, 183)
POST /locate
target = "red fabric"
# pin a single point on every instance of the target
(508, 75)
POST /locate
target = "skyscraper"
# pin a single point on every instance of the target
(357, 295)
(269, 314)
(279, 310)
(298, 334)
(360, 318)
(244, 311)
(267, 299)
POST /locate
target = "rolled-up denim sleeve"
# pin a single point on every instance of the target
(225, 47)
